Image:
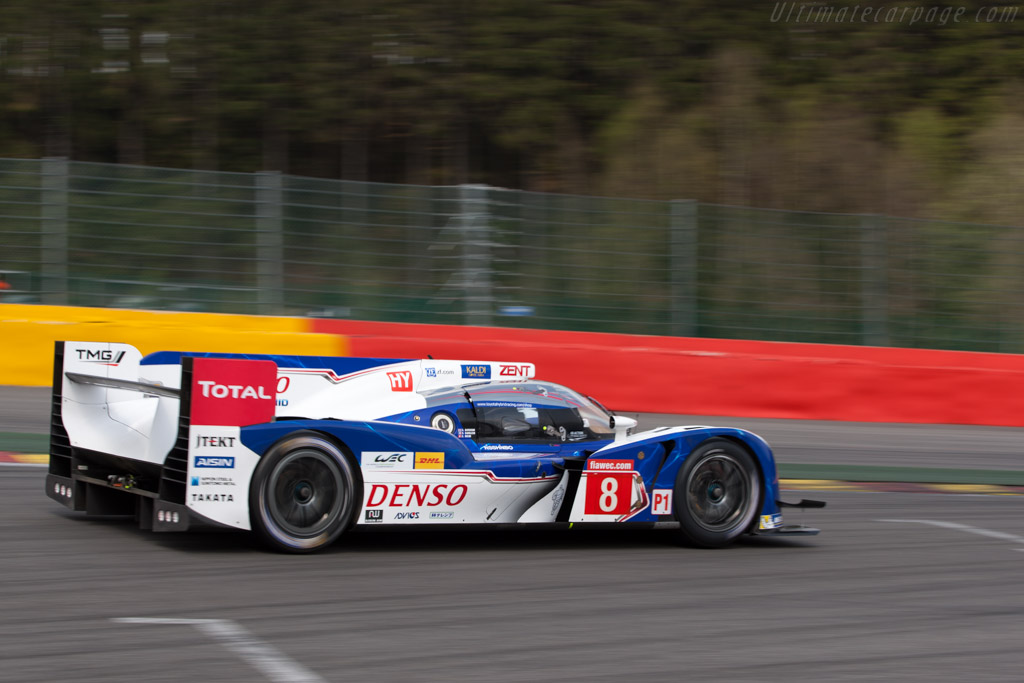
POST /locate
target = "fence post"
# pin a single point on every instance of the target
(874, 281)
(683, 268)
(476, 255)
(269, 243)
(54, 224)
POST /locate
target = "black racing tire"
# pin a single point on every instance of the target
(303, 494)
(717, 494)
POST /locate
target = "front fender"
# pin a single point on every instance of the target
(659, 454)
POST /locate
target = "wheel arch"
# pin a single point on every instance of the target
(280, 532)
(345, 450)
(754, 455)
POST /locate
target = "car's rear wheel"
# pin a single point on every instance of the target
(303, 494)
(717, 494)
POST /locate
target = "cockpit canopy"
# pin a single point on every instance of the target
(530, 412)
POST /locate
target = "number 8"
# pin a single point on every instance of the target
(608, 501)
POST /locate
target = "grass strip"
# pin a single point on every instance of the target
(920, 475)
(16, 442)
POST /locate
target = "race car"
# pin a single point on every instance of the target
(303, 449)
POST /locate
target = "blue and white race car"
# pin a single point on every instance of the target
(302, 449)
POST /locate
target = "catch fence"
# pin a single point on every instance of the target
(110, 235)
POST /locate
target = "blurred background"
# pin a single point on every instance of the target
(824, 172)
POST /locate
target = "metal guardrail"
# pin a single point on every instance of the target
(123, 236)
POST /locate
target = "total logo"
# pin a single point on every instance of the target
(211, 388)
(416, 495)
(233, 392)
(401, 380)
(103, 356)
(514, 371)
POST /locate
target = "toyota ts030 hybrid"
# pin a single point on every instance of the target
(301, 449)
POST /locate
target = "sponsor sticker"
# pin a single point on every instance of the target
(401, 380)
(556, 498)
(224, 462)
(431, 372)
(386, 460)
(610, 465)
(770, 521)
(374, 516)
(517, 370)
(212, 481)
(429, 461)
(442, 515)
(476, 371)
(406, 515)
(608, 493)
(213, 498)
(233, 392)
(101, 356)
(415, 495)
(496, 447)
(214, 441)
(661, 501)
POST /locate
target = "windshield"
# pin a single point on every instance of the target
(535, 412)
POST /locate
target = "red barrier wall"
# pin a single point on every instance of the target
(633, 373)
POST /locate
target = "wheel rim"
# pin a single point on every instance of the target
(305, 493)
(718, 492)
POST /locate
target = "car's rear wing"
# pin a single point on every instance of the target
(118, 429)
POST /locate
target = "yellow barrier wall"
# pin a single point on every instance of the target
(27, 334)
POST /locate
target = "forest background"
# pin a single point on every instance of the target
(742, 103)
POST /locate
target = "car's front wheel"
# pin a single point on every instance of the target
(303, 494)
(717, 493)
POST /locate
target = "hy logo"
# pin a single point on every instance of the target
(400, 380)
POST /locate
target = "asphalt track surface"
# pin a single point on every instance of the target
(897, 587)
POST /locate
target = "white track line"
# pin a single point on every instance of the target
(260, 655)
(961, 527)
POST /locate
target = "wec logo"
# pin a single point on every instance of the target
(386, 460)
(211, 388)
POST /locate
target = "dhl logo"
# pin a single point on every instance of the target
(429, 461)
